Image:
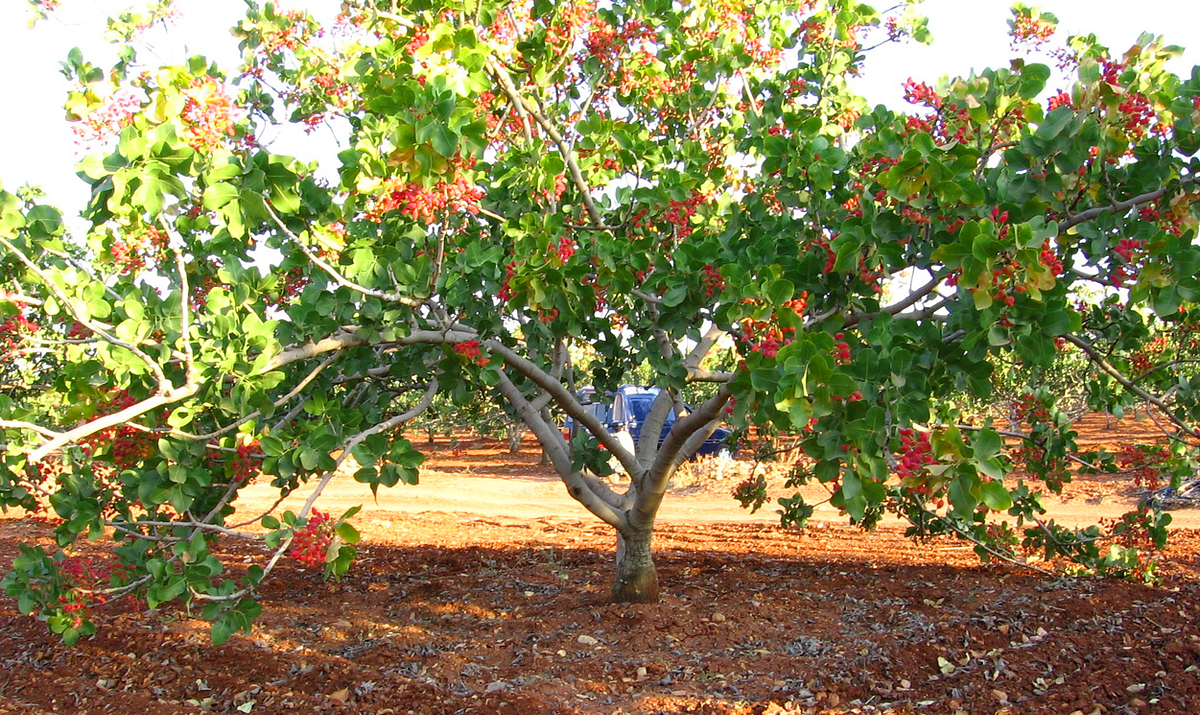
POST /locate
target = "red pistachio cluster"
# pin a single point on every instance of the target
(914, 455)
(113, 115)
(426, 204)
(311, 543)
(208, 115)
(471, 351)
(1131, 529)
(1062, 99)
(1031, 31)
(764, 337)
(505, 293)
(712, 281)
(133, 251)
(1145, 462)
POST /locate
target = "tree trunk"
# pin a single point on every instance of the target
(516, 432)
(637, 581)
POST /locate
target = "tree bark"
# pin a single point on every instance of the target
(637, 580)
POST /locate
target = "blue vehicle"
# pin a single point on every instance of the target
(630, 406)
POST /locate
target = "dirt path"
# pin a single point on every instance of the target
(478, 477)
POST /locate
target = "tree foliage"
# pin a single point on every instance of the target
(639, 177)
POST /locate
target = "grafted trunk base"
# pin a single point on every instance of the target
(637, 579)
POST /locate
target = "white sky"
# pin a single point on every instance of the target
(39, 148)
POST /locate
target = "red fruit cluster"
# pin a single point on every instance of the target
(107, 120)
(1125, 248)
(914, 216)
(1029, 409)
(915, 454)
(798, 305)
(12, 332)
(1131, 529)
(841, 349)
(712, 281)
(505, 293)
(127, 445)
(1110, 72)
(1167, 219)
(764, 337)
(1147, 463)
(425, 205)
(830, 256)
(292, 283)
(1062, 99)
(311, 543)
(246, 463)
(1032, 31)
(680, 213)
(294, 33)
(606, 43)
(573, 18)
(1050, 259)
(566, 248)
(921, 93)
(137, 249)
(1150, 354)
(471, 351)
(420, 37)
(208, 115)
(560, 188)
(1136, 114)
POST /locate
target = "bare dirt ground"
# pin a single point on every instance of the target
(483, 590)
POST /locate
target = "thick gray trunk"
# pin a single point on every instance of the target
(637, 581)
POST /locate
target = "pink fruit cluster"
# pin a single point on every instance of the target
(915, 454)
(311, 543)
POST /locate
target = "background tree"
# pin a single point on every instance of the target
(644, 177)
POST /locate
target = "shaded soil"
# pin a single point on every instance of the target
(475, 610)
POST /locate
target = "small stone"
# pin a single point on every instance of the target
(718, 618)
(1137, 703)
(1000, 695)
(587, 640)
(1136, 688)
(496, 685)
(340, 695)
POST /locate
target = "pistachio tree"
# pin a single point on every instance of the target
(650, 179)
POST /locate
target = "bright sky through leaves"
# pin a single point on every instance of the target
(39, 144)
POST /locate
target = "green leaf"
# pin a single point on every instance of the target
(221, 631)
(1056, 322)
(348, 533)
(675, 295)
(780, 291)
(217, 195)
(961, 497)
(987, 442)
(995, 496)
(1055, 123)
(445, 142)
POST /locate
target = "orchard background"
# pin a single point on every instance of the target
(916, 307)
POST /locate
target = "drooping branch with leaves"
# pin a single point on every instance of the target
(652, 180)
